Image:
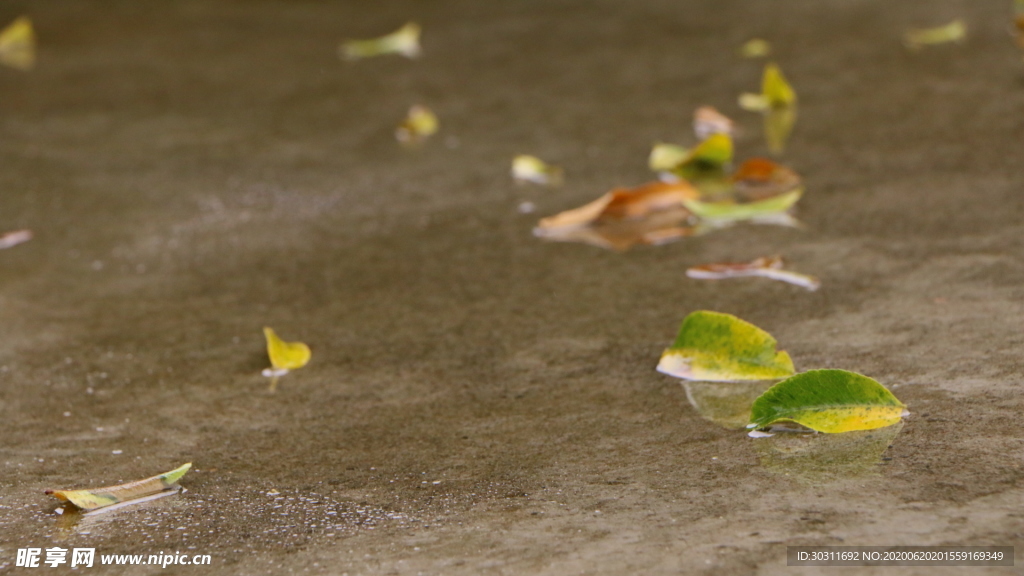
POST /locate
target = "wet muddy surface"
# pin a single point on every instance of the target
(480, 401)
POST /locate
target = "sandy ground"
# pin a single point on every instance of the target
(480, 401)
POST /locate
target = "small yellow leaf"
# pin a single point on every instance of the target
(18, 44)
(955, 31)
(665, 156)
(753, 102)
(755, 48)
(419, 124)
(527, 168)
(285, 355)
(775, 89)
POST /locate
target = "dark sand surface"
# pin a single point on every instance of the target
(480, 401)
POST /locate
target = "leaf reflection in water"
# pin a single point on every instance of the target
(819, 458)
(725, 403)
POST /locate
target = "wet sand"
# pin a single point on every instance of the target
(480, 401)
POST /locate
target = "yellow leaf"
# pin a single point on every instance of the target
(285, 355)
(755, 48)
(527, 168)
(404, 41)
(419, 124)
(665, 156)
(774, 87)
(955, 31)
(18, 44)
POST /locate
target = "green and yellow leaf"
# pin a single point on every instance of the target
(828, 401)
(717, 347)
(100, 497)
(285, 355)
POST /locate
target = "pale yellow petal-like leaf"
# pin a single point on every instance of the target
(285, 355)
(955, 31)
(526, 168)
(755, 48)
(404, 41)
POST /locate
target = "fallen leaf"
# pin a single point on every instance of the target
(729, 212)
(419, 124)
(101, 497)
(766, 267)
(718, 347)
(777, 101)
(527, 168)
(759, 188)
(955, 31)
(705, 162)
(776, 92)
(649, 214)
(14, 238)
(404, 41)
(755, 48)
(284, 356)
(665, 156)
(828, 401)
(775, 88)
(707, 121)
(18, 44)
